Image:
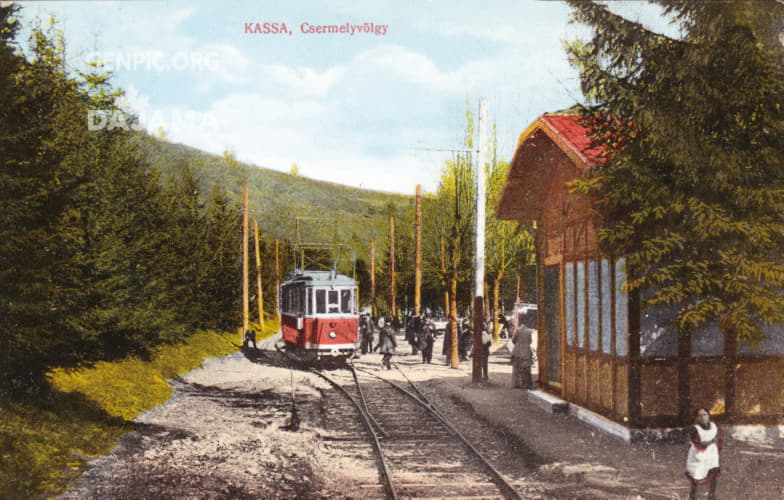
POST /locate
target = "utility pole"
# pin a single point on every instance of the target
(442, 261)
(418, 250)
(277, 280)
(392, 285)
(245, 290)
(479, 251)
(373, 278)
(260, 294)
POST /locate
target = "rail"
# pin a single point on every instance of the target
(426, 403)
(369, 421)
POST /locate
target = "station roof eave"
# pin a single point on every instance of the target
(526, 186)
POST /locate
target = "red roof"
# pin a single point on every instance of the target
(575, 136)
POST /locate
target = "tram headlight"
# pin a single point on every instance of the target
(332, 335)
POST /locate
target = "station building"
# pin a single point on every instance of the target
(598, 348)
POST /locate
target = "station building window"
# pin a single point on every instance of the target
(593, 306)
(581, 304)
(606, 298)
(621, 308)
(569, 296)
(596, 305)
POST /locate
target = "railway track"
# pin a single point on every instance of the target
(417, 451)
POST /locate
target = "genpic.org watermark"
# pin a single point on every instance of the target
(156, 60)
(103, 119)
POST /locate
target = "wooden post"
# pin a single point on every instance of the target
(245, 288)
(613, 340)
(373, 278)
(635, 363)
(392, 284)
(418, 250)
(259, 292)
(452, 355)
(517, 294)
(277, 280)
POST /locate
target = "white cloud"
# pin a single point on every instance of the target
(178, 15)
(305, 80)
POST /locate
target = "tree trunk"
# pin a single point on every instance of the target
(454, 362)
(496, 309)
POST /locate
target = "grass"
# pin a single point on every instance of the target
(45, 443)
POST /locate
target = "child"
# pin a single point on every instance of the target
(702, 462)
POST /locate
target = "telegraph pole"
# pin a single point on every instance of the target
(245, 288)
(418, 250)
(392, 286)
(260, 295)
(373, 278)
(277, 281)
(479, 270)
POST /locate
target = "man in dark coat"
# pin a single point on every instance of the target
(466, 339)
(250, 336)
(386, 343)
(411, 337)
(365, 333)
(522, 356)
(426, 339)
(446, 349)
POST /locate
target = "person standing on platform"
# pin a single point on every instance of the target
(465, 340)
(250, 336)
(386, 343)
(522, 357)
(426, 340)
(702, 462)
(446, 349)
(487, 341)
(365, 333)
(411, 333)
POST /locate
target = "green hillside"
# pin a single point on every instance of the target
(328, 212)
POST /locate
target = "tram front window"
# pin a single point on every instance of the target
(345, 301)
(321, 301)
(334, 306)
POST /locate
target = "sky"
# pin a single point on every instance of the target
(380, 108)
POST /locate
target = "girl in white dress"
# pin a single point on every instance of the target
(702, 462)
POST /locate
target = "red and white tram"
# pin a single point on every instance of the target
(319, 313)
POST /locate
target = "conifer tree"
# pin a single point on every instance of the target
(693, 187)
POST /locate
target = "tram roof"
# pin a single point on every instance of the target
(319, 278)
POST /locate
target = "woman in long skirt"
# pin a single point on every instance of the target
(702, 462)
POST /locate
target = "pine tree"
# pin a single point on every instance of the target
(39, 178)
(693, 188)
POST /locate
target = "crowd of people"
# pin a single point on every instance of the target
(420, 333)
